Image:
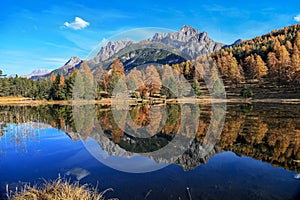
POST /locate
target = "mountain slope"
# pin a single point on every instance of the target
(37, 72)
(143, 53)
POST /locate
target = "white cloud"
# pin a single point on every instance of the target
(77, 24)
(297, 18)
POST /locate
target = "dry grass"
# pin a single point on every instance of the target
(22, 101)
(13, 98)
(59, 190)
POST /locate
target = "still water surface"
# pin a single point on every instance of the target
(256, 156)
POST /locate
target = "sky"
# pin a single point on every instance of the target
(45, 34)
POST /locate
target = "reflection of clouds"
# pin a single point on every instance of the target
(297, 176)
(79, 173)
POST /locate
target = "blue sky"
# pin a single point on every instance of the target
(45, 34)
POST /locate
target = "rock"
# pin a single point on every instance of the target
(189, 40)
(110, 49)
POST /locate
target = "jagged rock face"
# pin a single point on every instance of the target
(110, 49)
(73, 61)
(189, 40)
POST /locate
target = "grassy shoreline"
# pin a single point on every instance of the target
(59, 189)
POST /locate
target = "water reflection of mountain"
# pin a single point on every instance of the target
(270, 133)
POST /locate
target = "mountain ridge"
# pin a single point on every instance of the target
(187, 40)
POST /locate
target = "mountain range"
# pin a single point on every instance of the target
(167, 48)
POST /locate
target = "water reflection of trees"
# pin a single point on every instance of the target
(142, 128)
(57, 116)
(265, 132)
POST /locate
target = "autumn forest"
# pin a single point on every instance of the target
(269, 61)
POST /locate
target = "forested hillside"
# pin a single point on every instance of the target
(266, 64)
(272, 57)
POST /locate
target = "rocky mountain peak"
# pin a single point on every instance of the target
(189, 30)
(189, 40)
(110, 49)
(73, 61)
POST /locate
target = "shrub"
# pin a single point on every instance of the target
(246, 92)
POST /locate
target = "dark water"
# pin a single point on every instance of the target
(156, 152)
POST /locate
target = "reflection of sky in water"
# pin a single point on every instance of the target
(50, 152)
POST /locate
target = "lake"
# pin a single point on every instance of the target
(176, 151)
